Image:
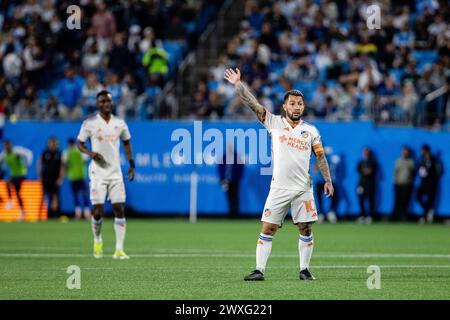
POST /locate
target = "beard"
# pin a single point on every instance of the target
(294, 117)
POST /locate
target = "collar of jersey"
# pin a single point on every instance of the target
(290, 127)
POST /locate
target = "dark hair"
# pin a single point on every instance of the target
(103, 92)
(426, 147)
(294, 92)
(71, 140)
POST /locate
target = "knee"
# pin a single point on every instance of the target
(305, 228)
(269, 229)
(98, 212)
(119, 211)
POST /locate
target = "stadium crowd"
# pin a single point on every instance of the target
(346, 71)
(129, 47)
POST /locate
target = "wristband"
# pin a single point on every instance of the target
(132, 165)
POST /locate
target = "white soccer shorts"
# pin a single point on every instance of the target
(114, 189)
(279, 201)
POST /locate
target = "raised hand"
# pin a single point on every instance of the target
(232, 76)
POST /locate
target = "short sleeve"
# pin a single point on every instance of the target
(85, 132)
(125, 134)
(316, 142)
(316, 139)
(268, 120)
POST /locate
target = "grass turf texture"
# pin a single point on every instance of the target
(172, 259)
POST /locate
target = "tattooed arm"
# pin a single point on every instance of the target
(322, 163)
(234, 77)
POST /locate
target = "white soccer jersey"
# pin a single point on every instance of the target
(291, 152)
(105, 139)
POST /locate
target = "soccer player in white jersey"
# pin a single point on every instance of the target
(105, 175)
(293, 140)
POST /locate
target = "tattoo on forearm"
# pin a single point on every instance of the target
(322, 163)
(249, 99)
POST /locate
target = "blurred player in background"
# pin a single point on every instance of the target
(105, 132)
(367, 185)
(17, 160)
(404, 174)
(230, 177)
(430, 171)
(49, 172)
(74, 165)
(292, 140)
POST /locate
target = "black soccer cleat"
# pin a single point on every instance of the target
(256, 275)
(306, 275)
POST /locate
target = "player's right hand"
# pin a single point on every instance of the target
(232, 76)
(98, 158)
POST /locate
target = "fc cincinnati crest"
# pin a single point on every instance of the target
(304, 134)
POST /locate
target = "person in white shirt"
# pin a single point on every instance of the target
(292, 141)
(105, 132)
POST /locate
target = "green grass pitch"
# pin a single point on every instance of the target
(172, 259)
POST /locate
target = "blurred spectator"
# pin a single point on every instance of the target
(49, 173)
(93, 59)
(120, 59)
(104, 23)
(408, 101)
(53, 110)
(370, 77)
(404, 172)
(147, 41)
(119, 93)
(74, 166)
(367, 169)
(430, 171)
(214, 108)
(156, 61)
(69, 92)
(88, 100)
(28, 106)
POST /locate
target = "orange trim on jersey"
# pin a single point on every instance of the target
(318, 150)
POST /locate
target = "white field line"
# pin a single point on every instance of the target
(364, 267)
(233, 255)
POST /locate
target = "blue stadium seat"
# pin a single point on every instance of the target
(176, 51)
(396, 73)
(424, 57)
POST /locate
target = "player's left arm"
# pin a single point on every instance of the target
(126, 138)
(322, 164)
(129, 153)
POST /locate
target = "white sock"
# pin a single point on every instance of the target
(97, 229)
(263, 249)
(120, 228)
(305, 249)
